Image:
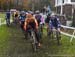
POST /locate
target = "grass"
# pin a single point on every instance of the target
(3, 33)
(2, 15)
(4, 37)
(13, 44)
(66, 48)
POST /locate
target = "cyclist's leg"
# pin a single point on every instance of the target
(50, 33)
(9, 21)
(15, 20)
(40, 31)
(49, 29)
(27, 34)
(47, 26)
(22, 25)
(41, 28)
(58, 35)
(22, 28)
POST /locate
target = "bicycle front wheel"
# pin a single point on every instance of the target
(58, 37)
(34, 41)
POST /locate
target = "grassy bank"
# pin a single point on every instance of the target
(4, 37)
(2, 16)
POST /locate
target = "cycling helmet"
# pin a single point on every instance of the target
(22, 12)
(37, 12)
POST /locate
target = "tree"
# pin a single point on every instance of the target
(24, 4)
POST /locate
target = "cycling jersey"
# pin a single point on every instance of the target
(48, 18)
(42, 18)
(54, 22)
(22, 18)
(38, 18)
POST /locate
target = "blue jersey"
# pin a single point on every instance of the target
(54, 22)
(22, 18)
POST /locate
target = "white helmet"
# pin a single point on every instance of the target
(37, 12)
(53, 14)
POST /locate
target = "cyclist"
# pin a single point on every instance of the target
(40, 21)
(22, 19)
(31, 22)
(47, 21)
(16, 15)
(38, 17)
(54, 22)
(8, 18)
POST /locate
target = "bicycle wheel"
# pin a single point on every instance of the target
(49, 33)
(58, 35)
(34, 47)
(34, 42)
(27, 35)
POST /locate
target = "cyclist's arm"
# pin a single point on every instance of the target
(25, 24)
(36, 23)
(59, 24)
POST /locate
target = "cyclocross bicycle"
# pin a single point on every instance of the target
(33, 40)
(54, 33)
